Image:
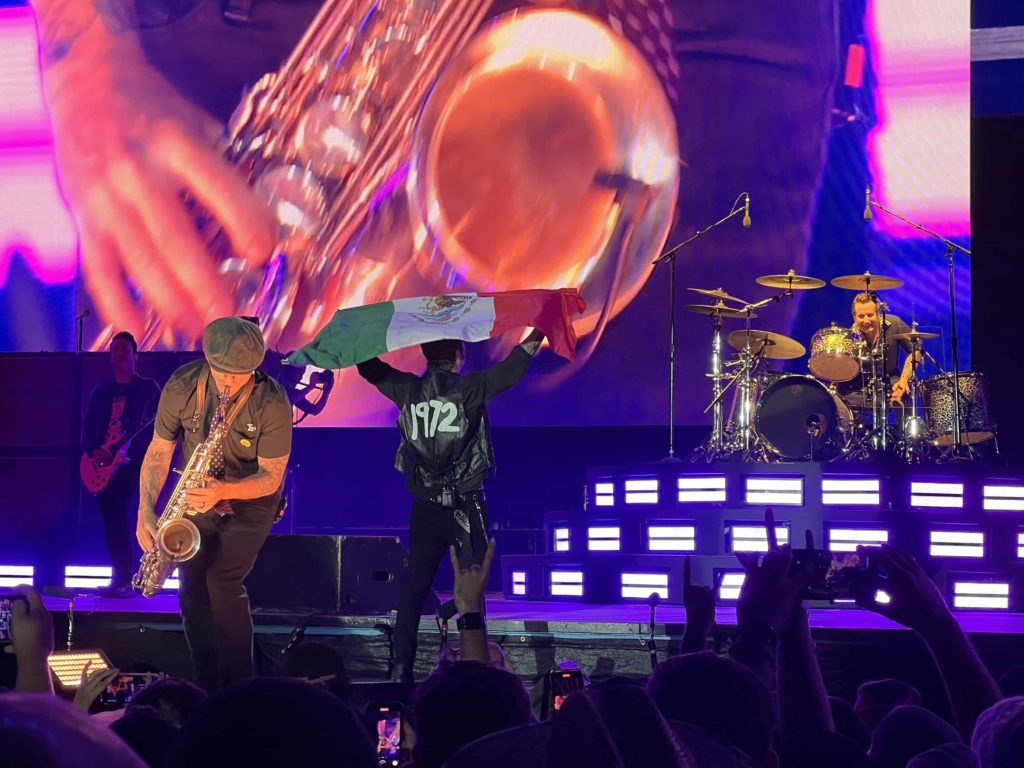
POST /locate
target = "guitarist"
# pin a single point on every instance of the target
(118, 408)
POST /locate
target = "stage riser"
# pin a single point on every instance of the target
(639, 522)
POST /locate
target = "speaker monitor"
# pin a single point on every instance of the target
(328, 574)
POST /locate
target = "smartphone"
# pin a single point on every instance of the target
(387, 723)
(120, 690)
(6, 602)
(837, 575)
(561, 683)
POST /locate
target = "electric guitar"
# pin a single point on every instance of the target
(96, 474)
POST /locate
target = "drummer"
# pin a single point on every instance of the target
(867, 322)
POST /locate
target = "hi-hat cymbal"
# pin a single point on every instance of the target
(913, 335)
(866, 282)
(718, 293)
(775, 346)
(716, 309)
(790, 280)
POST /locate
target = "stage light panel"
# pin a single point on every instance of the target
(566, 584)
(518, 582)
(1003, 498)
(88, 576)
(847, 539)
(709, 488)
(642, 490)
(13, 575)
(640, 586)
(992, 595)
(561, 539)
(754, 538)
(671, 538)
(772, 489)
(861, 492)
(1020, 545)
(938, 495)
(604, 494)
(67, 666)
(603, 538)
(173, 582)
(956, 543)
(732, 583)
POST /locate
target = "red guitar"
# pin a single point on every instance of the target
(97, 469)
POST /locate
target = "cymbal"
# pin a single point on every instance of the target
(718, 293)
(716, 309)
(776, 346)
(790, 280)
(913, 335)
(866, 282)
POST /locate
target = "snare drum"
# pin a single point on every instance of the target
(976, 421)
(799, 418)
(834, 353)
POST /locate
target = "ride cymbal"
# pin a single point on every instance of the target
(790, 280)
(718, 293)
(913, 335)
(775, 346)
(866, 282)
(716, 309)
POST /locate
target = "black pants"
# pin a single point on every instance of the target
(116, 508)
(214, 604)
(432, 529)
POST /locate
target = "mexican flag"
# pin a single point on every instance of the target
(361, 333)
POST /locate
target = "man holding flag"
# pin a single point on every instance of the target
(445, 453)
(445, 456)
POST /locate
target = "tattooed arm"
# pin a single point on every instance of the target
(266, 480)
(127, 145)
(152, 475)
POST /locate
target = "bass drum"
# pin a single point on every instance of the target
(798, 419)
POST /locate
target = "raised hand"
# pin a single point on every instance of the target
(771, 588)
(915, 601)
(127, 147)
(471, 582)
(92, 685)
(699, 602)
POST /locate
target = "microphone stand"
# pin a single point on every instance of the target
(652, 646)
(951, 248)
(670, 257)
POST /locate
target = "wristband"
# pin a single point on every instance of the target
(470, 621)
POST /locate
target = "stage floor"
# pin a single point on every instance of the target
(522, 615)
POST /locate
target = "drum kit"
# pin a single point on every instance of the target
(840, 410)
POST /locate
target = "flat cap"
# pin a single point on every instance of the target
(233, 345)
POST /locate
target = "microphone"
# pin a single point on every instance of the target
(867, 203)
(83, 314)
(746, 211)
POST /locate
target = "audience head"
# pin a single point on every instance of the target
(172, 697)
(320, 664)
(999, 734)
(877, 698)
(461, 702)
(269, 722)
(719, 695)
(908, 731)
(946, 756)
(847, 723)
(147, 731)
(41, 731)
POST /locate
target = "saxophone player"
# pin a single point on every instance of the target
(235, 505)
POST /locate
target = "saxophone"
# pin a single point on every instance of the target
(177, 537)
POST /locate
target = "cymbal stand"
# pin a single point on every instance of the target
(670, 257)
(951, 248)
(914, 446)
